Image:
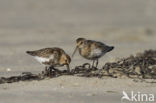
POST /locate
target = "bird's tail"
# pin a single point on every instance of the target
(110, 48)
(31, 53)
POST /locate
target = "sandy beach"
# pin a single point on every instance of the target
(35, 24)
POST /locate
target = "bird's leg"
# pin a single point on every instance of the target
(46, 68)
(45, 72)
(97, 62)
(50, 70)
(68, 69)
(93, 64)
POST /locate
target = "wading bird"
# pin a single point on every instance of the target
(51, 57)
(91, 50)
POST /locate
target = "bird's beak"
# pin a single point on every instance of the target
(74, 51)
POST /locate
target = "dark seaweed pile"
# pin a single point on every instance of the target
(142, 66)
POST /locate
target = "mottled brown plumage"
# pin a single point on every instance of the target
(51, 57)
(91, 50)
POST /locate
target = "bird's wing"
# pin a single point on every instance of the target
(95, 48)
(47, 52)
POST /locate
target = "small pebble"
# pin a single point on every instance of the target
(8, 69)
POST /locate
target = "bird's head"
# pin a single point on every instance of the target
(79, 44)
(65, 59)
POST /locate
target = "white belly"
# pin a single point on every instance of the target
(96, 53)
(41, 59)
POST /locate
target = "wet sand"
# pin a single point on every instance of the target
(31, 25)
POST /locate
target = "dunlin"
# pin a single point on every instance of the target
(51, 57)
(91, 50)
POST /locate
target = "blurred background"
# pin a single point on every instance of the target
(129, 25)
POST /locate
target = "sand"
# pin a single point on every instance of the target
(34, 24)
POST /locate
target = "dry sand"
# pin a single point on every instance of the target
(34, 24)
